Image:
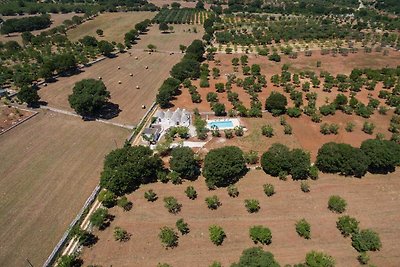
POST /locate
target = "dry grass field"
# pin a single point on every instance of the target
(170, 41)
(57, 19)
(114, 25)
(125, 94)
(49, 166)
(373, 200)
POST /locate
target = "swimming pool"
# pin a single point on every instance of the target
(221, 125)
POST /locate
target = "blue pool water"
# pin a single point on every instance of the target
(220, 124)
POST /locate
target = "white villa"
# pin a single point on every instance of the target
(167, 119)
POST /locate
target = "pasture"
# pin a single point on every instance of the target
(114, 25)
(278, 212)
(49, 166)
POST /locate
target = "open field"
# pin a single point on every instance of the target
(373, 200)
(170, 41)
(114, 25)
(189, 4)
(57, 20)
(49, 166)
(125, 94)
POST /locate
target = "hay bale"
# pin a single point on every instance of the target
(137, 86)
(136, 58)
(130, 74)
(100, 78)
(119, 82)
(143, 106)
(119, 67)
(147, 67)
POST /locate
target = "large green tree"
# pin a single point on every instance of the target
(384, 155)
(125, 169)
(276, 103)
(256, 257)
(183, 162)
(88, 97)
(29, 95)
(224, 166)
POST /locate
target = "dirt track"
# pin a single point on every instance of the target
(373, 200)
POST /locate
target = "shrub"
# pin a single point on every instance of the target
(120, 234)
(324, 129)
(224, 166)
(251, 157)
(366, 240)
(232, 191)
(228, 133)
(342, 158)
(212, 97)
(276, 103)
(303, 228)
(239, 130)
(334, 128)
(383, 155)
(150, 195)
(252, 205)
(169, 238)
(327, 109)
(319, 259)
(107, 198)
(314, 172)
(267, 130)
(363, 258)
(368, 127)
(219, 109)
(172, 205)
(184, 163)
(213, 202)
(182, 226)
(383, 110)
(124, 203)
(256, 257)
(294, 112)
(337, 204)
(216, 264)
(86, 238)
(191, 192)
(269, 189)
(347, 225)
(260, 234)
(282, 175)
(217, 234)
(287, 129)
(305, 187)
(174, 177)
(349, 126)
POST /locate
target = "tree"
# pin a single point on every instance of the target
(260, 234)
(224, 166)
(69, 261)
(28, 95)
(319, 259)
(252, 205)
(187, 68)
(172, 205)
(303, 228)
(182, 48)
(366, 240)
(383, 155)
(299, 164)
(217, 234)
(106, 48)
(128, 167)
(88, 97)
(99, 32)
(213, 202)
(182, 226)
(163, 27)
(347, 225)
(342, 158)
(219, 109)
(276, 103)
(120, 234)
(199, 5)
(99, 217)
(254, 257)
(337, 204)
(183, 162)
(169, 238)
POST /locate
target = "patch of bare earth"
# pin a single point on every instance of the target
(373, 200)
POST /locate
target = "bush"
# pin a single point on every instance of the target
(256, 257)
(99, 218)
(314, 172)
(368, 127)
(213, 202)
(191, 192)
(183, 162)
(124, 203)
(267, 130)
(251, 157)
(86, 238)
(217, 234)
(269, 189)
(363, 258)
(120, 234)
(305, 187)
(260, 234)
(107, 198)
(276, 103)
(169, 238)
(252, 205)
(150, 195)
(172, 205)
(224, 166)
(343, 159)
(347, 225)
(294, 112)
(366, 240)
(212, 97)
(233, 191)
(287, 129)
(303, 228)
(319, 259)
(216, 264)
(174, 177)
(182, 227)
(349, 127)
(337, 204)
(383, 155)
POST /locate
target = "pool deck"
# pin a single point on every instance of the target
(235, 122)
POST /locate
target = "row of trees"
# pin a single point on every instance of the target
(25, 24)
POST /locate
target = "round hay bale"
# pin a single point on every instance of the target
(119, 67)
(137, 86)
(147, 67)
(143, 106)
(100, 78)
(119, 82)
(136, 58)
(130, 74)
(45, 84)
(149, 53)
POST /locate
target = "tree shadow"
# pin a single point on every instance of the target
(109, 111)
(71, 72)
